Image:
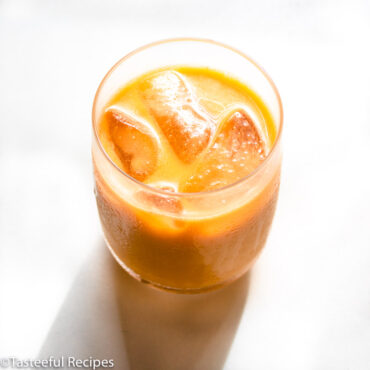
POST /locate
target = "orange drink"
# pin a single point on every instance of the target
(186, 155)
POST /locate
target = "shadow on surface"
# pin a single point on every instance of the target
(109, 315)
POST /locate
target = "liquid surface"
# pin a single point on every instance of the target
(186, 129)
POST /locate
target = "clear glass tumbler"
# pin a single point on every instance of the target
(219, 234)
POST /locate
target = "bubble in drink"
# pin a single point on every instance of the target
(134, 142)
(237, 150)
(185, 124)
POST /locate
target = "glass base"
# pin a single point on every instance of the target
(166, 288)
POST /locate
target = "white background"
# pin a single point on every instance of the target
(306, 304)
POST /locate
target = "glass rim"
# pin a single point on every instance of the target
(201, 193)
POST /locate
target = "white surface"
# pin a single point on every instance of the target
(308, 301)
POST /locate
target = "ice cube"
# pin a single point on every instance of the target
(164, 202)
(237, 150)
(186, 125)
(135, 143)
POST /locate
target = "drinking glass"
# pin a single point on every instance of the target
(213, 237)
